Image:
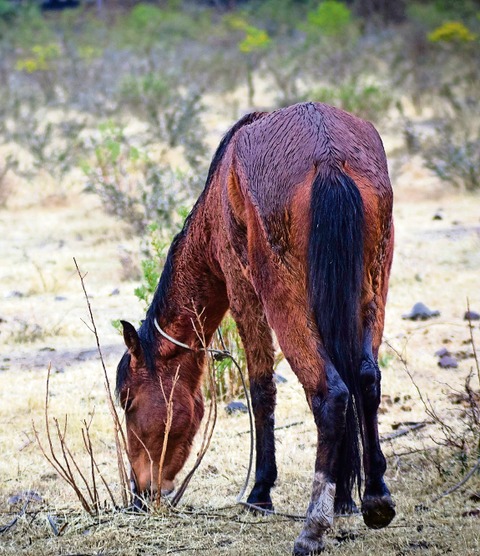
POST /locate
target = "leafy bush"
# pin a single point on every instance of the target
(452, 32)
(131, 185)
(155, 250)
(8, 11)
(453, 150)
(172, 112)
(370, 102)
(454, 156)
(331, 18)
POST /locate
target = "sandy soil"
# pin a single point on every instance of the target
(42, 310)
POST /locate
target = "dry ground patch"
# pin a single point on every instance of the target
(41, 312)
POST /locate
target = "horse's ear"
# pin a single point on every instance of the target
(132, 341)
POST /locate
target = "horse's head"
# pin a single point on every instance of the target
(155, 415)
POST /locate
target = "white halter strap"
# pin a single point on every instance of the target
(176, 342)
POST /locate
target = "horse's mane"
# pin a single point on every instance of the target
(147, 332)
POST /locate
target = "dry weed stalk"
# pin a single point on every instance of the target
(168, 426)
(65, 464)
(60, 457)
(119, 435)
(212, 412)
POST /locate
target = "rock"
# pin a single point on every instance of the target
(236, 407)
(442, 352)
(27, 495)
(448, 362)
(421, 312)
(14, 293)
(279, 379)
(471, 315)
(60, 298)
(116, 291)
(438, 215)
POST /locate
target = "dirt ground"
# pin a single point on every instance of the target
(42, 314)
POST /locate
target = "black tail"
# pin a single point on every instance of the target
(335, 275)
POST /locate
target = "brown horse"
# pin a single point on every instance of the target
(293, 233)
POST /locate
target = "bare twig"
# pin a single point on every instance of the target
(168, 426)
(470, 474)
(120, 440)
(63, 469)
(211, 418)
(8, 526)
(403, 432)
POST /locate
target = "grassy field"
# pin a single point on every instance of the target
(42, 314)
(131, 111)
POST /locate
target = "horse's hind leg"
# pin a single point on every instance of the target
(329, 409)
(257, 341)
(378, 508)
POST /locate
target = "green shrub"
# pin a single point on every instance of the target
(452, 152)
(454, 156)
(452, 32)
(370, 102)
(171, 111)
(131, 185)
(331, 18)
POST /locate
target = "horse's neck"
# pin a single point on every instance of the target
(195, 300)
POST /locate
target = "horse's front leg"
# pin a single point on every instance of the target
(258, 344)
(263, 392)
(329, 410)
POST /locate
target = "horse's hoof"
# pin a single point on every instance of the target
(378, 511)
(259, 501)
(306, 545)
(265, 508)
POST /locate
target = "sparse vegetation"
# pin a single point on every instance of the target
(128, 109)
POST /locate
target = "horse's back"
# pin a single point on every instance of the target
(279, 152)
(276, 158)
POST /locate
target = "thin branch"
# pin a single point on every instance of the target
(211, 418)
(168, 426)
(120, 440)
(460, 483)
(8, 526)
(403, 432)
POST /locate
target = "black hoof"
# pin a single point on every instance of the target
(259, 501)
(259, 508)
(378, 511)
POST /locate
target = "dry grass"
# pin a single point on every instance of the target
(437, 262)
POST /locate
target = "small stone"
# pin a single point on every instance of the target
(29, 495)
(14, 293)
(60, 298)
(438, 215)
(116, 291)
(279, 379)
(442, 352)
(471, 315)
(236, 407)
(448, 362)
(420, 312)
